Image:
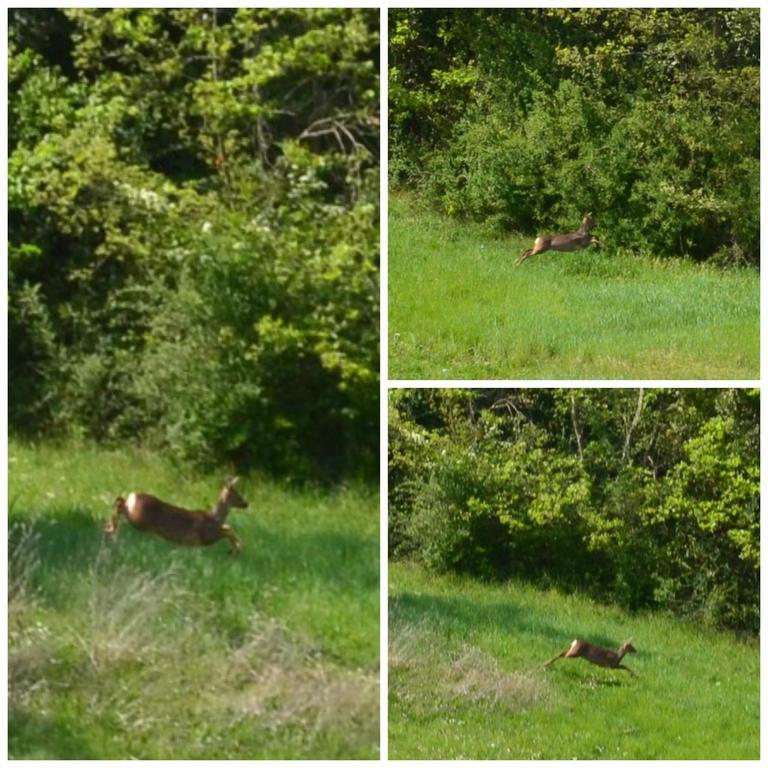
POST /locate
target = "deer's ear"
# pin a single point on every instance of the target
(231, 482)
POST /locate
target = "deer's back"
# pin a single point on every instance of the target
(571, 241)
(598, 655)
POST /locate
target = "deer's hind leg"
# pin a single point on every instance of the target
(523, 256)
(110, 526)
(559, 656)
(539, 245)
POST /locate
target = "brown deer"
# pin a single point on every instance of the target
(579, 649)
(570, 241)
(181, 526)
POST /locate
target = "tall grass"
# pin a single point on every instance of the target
(135, 648)
(459, 308)
(466, 678)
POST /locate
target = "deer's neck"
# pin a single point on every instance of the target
(220, 510)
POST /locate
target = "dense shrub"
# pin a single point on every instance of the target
(193, 208)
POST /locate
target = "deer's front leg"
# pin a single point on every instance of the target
(621, 666)
(595, 241)
(229, 535)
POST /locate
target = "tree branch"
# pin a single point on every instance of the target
(631, 427)
(576, 428)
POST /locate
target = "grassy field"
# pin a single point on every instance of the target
(459, 309)
(135, 648)
(466, 678)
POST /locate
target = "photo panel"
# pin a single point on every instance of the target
(193, 372)
(558, 550)
(574, 193)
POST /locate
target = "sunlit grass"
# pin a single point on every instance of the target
(466, 678)
(460, 308)
(135, 648)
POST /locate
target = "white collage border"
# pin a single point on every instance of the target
(385, 382)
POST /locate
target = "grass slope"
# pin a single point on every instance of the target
(135, 648)
(460, 309)
(466, 678)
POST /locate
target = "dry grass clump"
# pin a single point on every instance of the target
(476, 676)
(125, 617)
(23, 562)
(469, 675)
(283, 682)
(30, 640)
(408, 644)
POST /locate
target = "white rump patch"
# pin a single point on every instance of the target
(130, 502)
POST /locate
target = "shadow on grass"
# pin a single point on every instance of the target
(36, 736)
(460, 615)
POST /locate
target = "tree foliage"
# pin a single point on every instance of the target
(648, 498)
(193, 206)
(526, 118)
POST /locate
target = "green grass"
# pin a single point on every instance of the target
(466, 678)
(459, 309)
(136, 648)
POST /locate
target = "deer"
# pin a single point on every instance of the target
(579, 649)
(179, 525)
(570, 241)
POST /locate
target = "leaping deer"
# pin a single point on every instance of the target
(579, 649)
(570, 241)
(179, 525)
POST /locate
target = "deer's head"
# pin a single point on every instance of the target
(628, 647)
(586, 222)
(229, 495)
